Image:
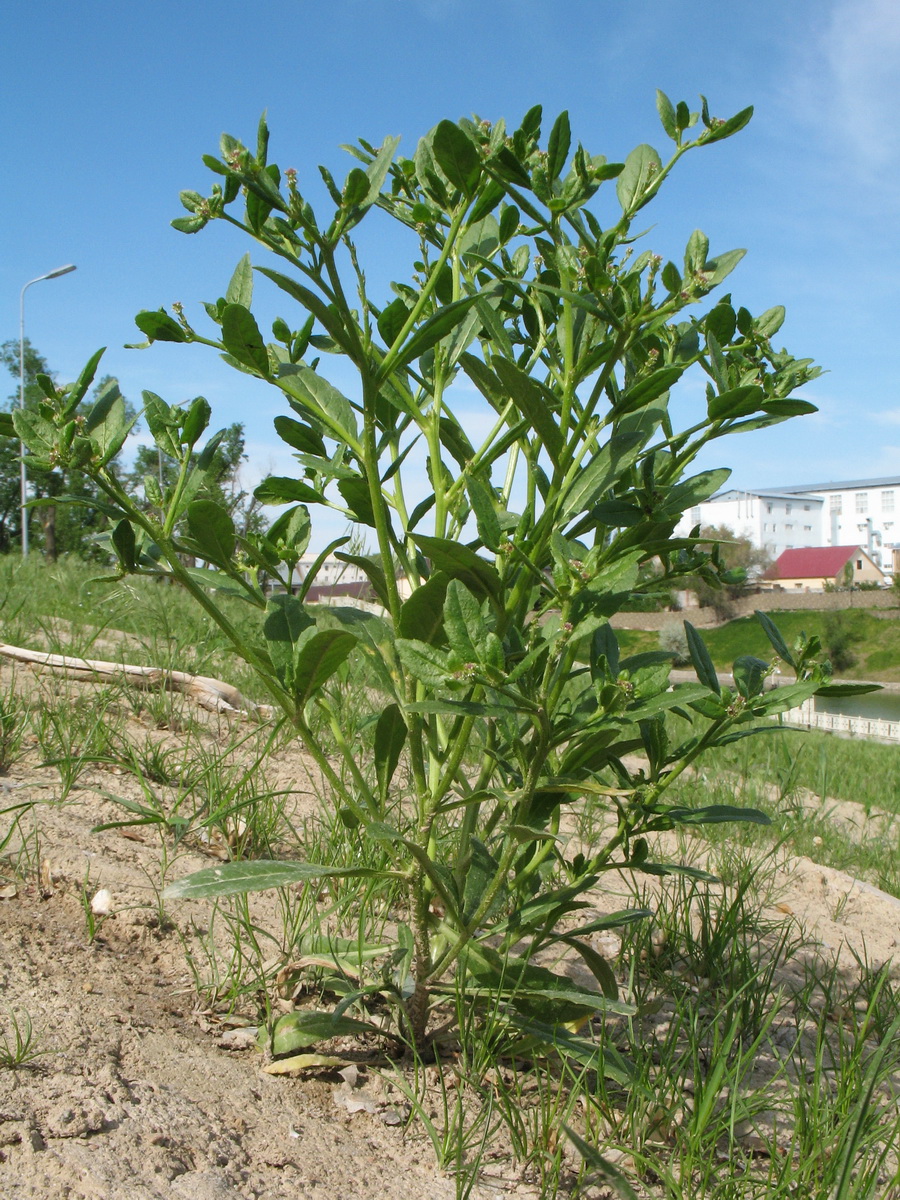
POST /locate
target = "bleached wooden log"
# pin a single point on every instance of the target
(211, 694)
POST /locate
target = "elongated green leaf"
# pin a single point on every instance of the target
(601, 472)
(438, 326)
(457, 156)
(160, 327)
(125, 545)
(422, 615)
(608, 1172)
(642, 167)
(256, 875)
(773, 633)
(242, 339)
(240, 288)
(390, 738)
(279, 489)
(749, 674)
(484, 505)
(481, 871)
(321, 398)
(597, 965)
(213, 530)
(666, 111)
(296, 1030)
(717, 814)
(736, 402)
(373, 572)
(327, 317)
(466, 629)
(286, 622)
(424, 662)
(459, 562)
(558, 145)
(78, 390)
(533, 402)
(703, 664)
(318, 659)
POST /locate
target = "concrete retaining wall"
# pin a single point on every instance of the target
(885, 599)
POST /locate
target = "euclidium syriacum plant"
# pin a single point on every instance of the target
(496, 696)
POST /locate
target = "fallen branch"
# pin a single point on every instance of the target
(211, 694)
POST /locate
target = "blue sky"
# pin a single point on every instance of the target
(109, 107)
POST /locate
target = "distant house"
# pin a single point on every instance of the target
(813, 568)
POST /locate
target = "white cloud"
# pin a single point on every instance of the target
(888, 416)
(850, 76)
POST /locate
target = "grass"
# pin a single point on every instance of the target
(747, 1066)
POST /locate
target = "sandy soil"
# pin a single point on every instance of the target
(141, 1092)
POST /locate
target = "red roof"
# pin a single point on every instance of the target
(812, 562)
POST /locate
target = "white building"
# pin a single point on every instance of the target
(861, 512)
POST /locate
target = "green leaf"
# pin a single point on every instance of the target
(424, 662)
(457, 156)
(604, 469)
(257, 875)
(484, 505)
(285, 623)
(240, 288)
(459, 562)
(320, 398)
(703, 664)
(642, 167)
(242, 339)
(195, 421)
(717, 814)
(327, 317)
(78, 390)
(773, 633)
(666, 111)
(296, 1030)
(847, 689)
(736, 402)
(160, 327)
(480, 872)
(125, 545)
(373, 572)
(608, 1172)
(390, 738)
(355, 492)
(749, 675)
(318, 659)
(279, 489)
(300, 437)
(558, 145)
(435, 328)
(725, 129)
(597, 965)
(213, 530)
(534, 402)
(466, 629)
(422, 615)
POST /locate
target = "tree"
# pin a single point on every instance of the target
(222, 484)
(741, 563)
(60, 528)
(498, 680)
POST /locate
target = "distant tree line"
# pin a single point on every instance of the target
(55, 529)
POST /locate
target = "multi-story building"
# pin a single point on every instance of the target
(864, 512)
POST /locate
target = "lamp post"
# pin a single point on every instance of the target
(23, 485)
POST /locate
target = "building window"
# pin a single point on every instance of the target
(807, 508)
(859, 564)
(887, 501)
(862, 502)
(836, 504)
(695, 516)
(768, 508)
(787, 510)
(807, 528)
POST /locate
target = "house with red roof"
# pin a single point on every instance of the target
(815, 568)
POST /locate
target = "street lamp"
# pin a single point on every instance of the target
(23, 489)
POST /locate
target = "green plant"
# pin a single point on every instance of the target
(17, 1045)
(498, 681)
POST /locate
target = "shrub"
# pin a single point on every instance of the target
(498, 683)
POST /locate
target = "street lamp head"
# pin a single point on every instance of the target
(60, 271)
